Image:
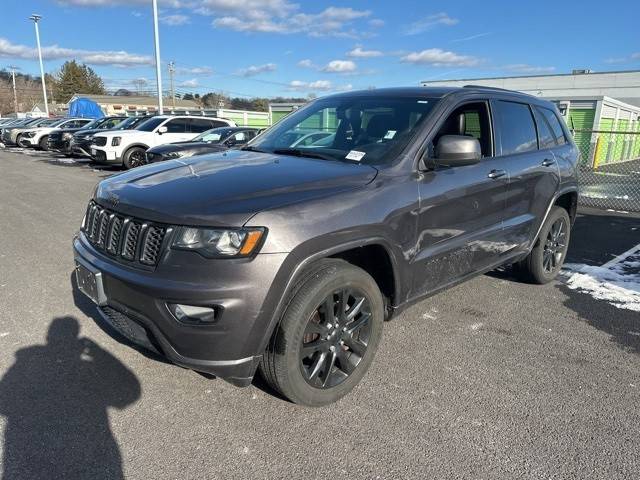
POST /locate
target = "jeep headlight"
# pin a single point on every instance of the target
(115, 141)
(217, 243)
(171, 155)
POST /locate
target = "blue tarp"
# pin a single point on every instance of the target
(85, 108)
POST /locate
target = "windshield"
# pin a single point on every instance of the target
(150, 124)
(213, 136)
(372, 130)
(128, 123)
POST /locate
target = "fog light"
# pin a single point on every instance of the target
(193, 314)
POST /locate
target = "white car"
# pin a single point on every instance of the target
(37, 137)
(128, 147)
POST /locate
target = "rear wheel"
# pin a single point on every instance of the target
(328, 335)
(134, 157)
(42, 143)
(545, 260)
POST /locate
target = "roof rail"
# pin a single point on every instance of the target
(489, 88)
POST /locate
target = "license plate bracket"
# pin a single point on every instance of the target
(89, 281)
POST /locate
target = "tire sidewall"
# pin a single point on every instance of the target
(127, 157)
(537, 254)
(42, 143)
(292, 328)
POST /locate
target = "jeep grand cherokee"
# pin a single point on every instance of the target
(288, 259)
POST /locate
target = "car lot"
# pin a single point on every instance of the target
(492, 379)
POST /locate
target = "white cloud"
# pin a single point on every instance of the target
(526, 68)
(376, 23)
(193, 83)
(175, 20)
(634, 57)
(437, 57)
(471, 37)
(204, 71)
(307, 63)
(332, 21)
(318, 85)
(54, 52)
(430, 22)
(257, 69)
(340, 66)
(359, 52)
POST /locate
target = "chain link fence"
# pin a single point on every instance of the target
(609, 169)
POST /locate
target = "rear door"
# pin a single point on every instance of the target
(461, 208)
(532, 168)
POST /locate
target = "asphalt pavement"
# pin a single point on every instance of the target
(491, 379)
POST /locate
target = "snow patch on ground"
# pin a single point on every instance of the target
(617, 283)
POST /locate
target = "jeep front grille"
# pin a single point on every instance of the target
(125, 238)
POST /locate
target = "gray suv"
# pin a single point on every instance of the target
(287, 259)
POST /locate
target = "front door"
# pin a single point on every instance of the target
(461, 208)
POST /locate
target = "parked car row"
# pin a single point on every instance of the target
(127, 141)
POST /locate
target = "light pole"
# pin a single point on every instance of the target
(15, 93)
(36, 18)
(157, 45)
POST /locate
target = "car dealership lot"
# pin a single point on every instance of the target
(491, 379)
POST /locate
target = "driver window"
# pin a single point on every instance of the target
(470, 120)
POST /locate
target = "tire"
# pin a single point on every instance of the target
(18, 140)
(134, 157)
(42, 143)
(339, 347)
(545, 260)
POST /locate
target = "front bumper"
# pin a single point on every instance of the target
(81, 147)
(58, 145)
(104, 155)
(230, 347)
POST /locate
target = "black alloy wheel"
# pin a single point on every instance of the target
(336, 338)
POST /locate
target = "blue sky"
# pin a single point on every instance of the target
(283, 47)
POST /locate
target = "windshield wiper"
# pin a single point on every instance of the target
(297, 152)
(249, 148)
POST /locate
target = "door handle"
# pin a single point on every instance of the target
(547, 162)
(493, 174)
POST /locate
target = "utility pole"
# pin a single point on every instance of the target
(15, 93)
(36, 18)
(172, 70)
(157, 47)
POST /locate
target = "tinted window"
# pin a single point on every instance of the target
(545, 137)
(151, 124)
(217, 124)
(516, 129)
(558, 132)
(177, 125)
(199, 125)
(471, 120)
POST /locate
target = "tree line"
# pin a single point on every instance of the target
(74, 77)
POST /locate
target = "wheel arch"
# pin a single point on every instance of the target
(354, 252)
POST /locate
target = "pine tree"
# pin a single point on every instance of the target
(77, 78)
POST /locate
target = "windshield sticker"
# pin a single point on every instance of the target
(355, 155)
(390, 134)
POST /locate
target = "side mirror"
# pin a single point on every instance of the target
(458, 150)
(162, 130)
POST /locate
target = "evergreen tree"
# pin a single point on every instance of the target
(77, 78)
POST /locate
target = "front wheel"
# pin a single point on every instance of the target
(135, 157)
(328, 335)
(43, 143)
(547, 257)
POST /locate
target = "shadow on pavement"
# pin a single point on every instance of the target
(55, 399)
(599, 236)
(622, 325)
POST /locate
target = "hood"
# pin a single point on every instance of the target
(184, 146)
(226, 189)
(121, 133)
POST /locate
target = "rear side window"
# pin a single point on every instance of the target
(517, 131)
(177, 125)
(217, 124)
(199, 125)
(545, 136)
(552, 118)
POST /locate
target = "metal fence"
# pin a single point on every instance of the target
(609, 169)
